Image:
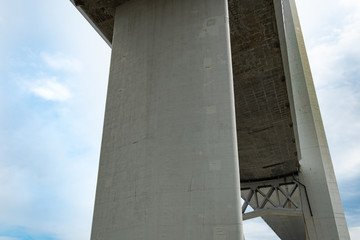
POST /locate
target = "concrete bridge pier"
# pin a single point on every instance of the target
(169, 165)
(173, 146)
(323, 214)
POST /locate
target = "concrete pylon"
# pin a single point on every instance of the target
(322, 209)
(210, 101)
(169, 164)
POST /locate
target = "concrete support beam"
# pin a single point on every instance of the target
(271, 212)
(316, 171)
(169, 165)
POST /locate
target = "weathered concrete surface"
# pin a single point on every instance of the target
(100, 14)
(266, 139)
(169, 165)
(175, 132)
(316, 170)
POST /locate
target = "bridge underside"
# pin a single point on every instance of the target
(266, 141)
(268, 145)
(265, 134)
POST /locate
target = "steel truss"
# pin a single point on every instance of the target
(275, 197)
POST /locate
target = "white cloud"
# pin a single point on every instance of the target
(257, 229)
(353, 220)
(60, 62)
(335, 55)
(49, 158)
(8, 238)
(340, 107)
(355, 5)
(349, 167)
(354, 232)
(49, 89)
(332, 36)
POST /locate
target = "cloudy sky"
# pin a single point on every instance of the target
(53, 79)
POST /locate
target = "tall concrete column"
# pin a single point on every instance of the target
(323, 212)
(169, 165)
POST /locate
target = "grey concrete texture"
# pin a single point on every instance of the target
(169, 164)
(171, 154)
(316, 171)
(266, 140)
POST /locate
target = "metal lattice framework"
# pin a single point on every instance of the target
(274, 198)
